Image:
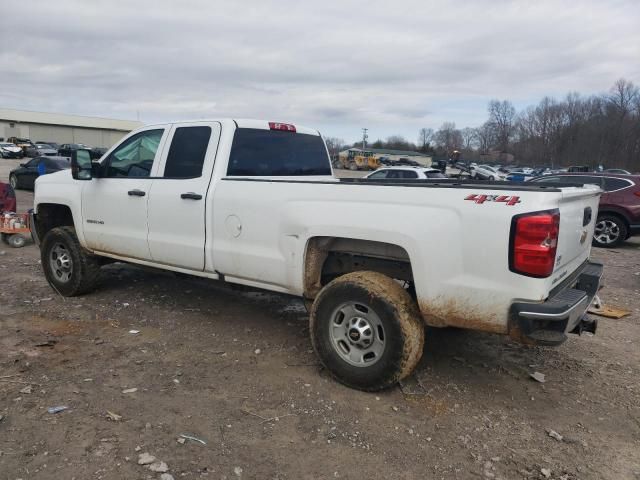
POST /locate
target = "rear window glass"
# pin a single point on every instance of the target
(615, 184)
(257, 152)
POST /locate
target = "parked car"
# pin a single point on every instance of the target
(25, 175)
(23, 143)
(7, 198)
(486, 172)
(618, 171)
(520, 175)
(54, 145)
(619, 212)
(41, 150)
(10, 150)
(408, 172)
(66, 148)
(265, 214)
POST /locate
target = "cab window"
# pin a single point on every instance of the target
(187, 152)
(135, 156)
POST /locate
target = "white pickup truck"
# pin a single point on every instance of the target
(256, 203)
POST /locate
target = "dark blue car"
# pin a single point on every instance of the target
(25, 175)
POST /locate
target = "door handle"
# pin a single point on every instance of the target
(136, 193)
(191, 196)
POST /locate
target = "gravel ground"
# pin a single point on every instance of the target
(234, 368)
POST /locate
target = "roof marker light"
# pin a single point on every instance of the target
(287, 127)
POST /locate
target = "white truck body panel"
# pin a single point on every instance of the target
(256, 230)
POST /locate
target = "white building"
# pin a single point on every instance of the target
(60, 128)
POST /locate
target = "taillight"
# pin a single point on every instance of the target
(533, 243)
(637, 193)
(287, 127)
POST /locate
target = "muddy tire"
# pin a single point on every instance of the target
(366, 330)
(69, 268)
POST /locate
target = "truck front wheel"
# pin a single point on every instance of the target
(69, 269)
(366, 330)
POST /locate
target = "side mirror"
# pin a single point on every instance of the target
(81, 165)
(23, 164)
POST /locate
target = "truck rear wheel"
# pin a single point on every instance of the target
(366, 330)
(68, 267)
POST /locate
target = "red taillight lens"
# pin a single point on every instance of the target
(637, 193)
(534, 240)
(282, 126)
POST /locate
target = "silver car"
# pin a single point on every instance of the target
(41, 150)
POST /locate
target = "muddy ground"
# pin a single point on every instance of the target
(235, 369)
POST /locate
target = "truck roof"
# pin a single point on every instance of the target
(246, 123)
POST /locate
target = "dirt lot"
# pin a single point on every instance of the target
(235, 369)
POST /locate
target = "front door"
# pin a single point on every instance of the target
(178, 196)
(114, 206)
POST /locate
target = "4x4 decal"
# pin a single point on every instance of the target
(480, 199)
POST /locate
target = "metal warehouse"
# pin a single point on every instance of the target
(60, 128)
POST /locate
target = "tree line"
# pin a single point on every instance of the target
(594, 130)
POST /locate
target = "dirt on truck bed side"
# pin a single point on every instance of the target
(149, 357)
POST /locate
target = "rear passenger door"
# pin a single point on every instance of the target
(176, 210)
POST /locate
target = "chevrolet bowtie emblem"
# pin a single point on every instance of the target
(583, 236)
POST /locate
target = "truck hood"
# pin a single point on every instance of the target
(63, 176)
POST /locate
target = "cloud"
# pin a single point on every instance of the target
(336, 65)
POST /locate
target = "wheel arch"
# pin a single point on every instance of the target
(52, 215)
(327, 258)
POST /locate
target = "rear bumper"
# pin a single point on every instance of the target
(548, 323)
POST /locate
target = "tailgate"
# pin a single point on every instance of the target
(578, 213)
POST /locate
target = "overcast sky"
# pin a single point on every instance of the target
(336, 65)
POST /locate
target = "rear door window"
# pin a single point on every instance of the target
(258, 152)
(409, 174)
(187, 152)
(611, 184)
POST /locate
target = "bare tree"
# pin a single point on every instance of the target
(334, 145)
(501, 117)
(486, 137)
(449, 138)
(623, 96)
(469, 137)
(425, 137)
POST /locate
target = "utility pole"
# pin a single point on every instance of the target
(364, 138)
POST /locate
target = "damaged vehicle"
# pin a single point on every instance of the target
(255, 203)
